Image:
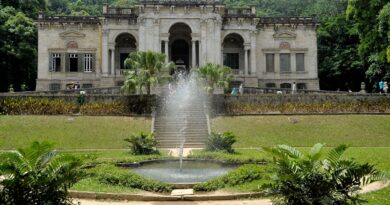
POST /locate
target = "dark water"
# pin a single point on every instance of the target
(193, 171)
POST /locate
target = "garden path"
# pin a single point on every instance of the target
(231, 202)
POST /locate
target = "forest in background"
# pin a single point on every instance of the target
(353, 36)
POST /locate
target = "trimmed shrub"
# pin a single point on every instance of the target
(221, 142)
(230, 158)
(142, 144)
(37, 106)
(381, 106)
(241, 175)
(109, 174)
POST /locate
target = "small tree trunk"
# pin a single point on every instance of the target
(148, 89)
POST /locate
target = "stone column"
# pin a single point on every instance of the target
(246, 61)
(166, 47)
(105, 54)
(218, 41)
(112, 61)
(203, 42)
(193, 54)
(253, 53)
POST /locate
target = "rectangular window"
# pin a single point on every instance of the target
(88, 62)
(54, 86)
(300, 59)
(270, 62)
(232, 60)
(56, 62)
(87, 85)
(73, 62)
(285, 62)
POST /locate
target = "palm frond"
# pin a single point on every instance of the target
(315, 151)
(335, 154)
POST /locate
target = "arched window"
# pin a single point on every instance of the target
(233, 52)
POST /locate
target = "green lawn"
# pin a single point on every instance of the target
(69, 132)
(369, 136)
(356, 130)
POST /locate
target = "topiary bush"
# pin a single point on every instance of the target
(241, 175)
(142, 144)
(109, 174)
(221, 142)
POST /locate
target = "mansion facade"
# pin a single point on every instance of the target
(270, 52)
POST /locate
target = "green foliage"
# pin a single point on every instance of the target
(381, 106)
(142, 144)
(18, 49)
(46, 106)
(111, 175)
(372, 23)
(241, 175)
(340, 66)
(221, 142)
(214, 75)
(249, 156)
(37, 175)
(313, 179)
(146, 70)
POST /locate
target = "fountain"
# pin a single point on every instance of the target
(183, 109)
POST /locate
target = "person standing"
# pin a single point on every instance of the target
(294, 88)
(385, 87)
(380, 86)
(241, 89)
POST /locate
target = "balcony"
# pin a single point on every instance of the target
(239, 13)
(121, 13)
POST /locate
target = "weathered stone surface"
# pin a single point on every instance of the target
(182, 192)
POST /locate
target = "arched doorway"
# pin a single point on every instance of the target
(124, 44)
(233, 52)
(180, 46)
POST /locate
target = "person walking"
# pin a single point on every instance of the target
(385, 87)
(294, 88)
(241, 89)
(380, 86)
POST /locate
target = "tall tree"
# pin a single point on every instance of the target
(18, 49)
(371, 20)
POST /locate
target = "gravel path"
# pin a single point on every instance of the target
(237, 202)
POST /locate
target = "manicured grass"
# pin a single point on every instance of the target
(69, 132)
(93, 185)
(356, 130)
(381, 197)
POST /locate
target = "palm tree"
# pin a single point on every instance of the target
(214, 75)
(314, 179)
(146, 69)
(37, 175)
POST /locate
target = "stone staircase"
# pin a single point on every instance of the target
(188, 122)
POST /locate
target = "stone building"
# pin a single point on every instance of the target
(262, 51)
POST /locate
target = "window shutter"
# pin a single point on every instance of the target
(67, 63)
(80, 62)
(50, 62)
(93, 62)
